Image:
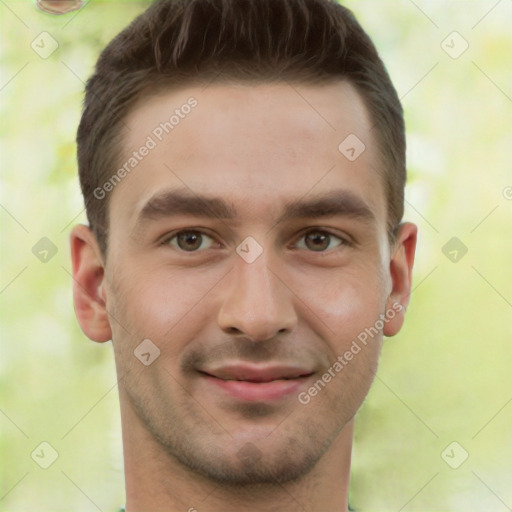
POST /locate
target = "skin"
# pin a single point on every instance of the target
(188, 445)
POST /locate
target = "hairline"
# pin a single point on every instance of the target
(167, 84)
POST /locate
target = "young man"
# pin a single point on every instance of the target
(243, 168)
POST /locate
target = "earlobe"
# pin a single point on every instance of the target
(88, 285)
(400, 267)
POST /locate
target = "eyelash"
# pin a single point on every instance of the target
(344, 241)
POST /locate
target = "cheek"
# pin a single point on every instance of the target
(170, 304)
(158, 304)
(345, 302)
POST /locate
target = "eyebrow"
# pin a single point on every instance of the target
(182, 202)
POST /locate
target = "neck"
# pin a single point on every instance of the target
(156, 481)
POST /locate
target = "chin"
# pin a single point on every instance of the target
(274, 459)
(252, 467)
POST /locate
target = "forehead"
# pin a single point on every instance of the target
(258, 145)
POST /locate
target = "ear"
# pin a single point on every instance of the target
(400, 267)
(88, 285)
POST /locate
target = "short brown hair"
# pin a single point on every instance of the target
(198, 41)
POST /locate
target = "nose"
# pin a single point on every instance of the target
(256, 303)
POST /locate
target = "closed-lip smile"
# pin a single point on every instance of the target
(252, 382)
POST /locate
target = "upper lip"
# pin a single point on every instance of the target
(255, 373)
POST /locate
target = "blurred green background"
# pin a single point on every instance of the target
(445, 378)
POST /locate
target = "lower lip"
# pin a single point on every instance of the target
(258, 391)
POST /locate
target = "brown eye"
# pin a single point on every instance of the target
(189, 241)
(319, 241)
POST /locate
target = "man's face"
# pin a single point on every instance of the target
(218, 316)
